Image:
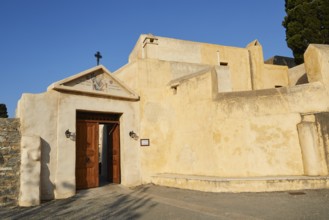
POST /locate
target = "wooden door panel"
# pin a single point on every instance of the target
(86, 155)
(114, 154)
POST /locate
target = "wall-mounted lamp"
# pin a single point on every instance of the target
(69, 134)
(133, 135)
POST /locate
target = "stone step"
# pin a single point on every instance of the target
(247, 184)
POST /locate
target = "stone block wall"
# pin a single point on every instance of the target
(10, 156)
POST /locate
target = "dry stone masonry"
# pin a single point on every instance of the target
(9, 161)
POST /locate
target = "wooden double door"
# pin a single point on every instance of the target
(87, 153)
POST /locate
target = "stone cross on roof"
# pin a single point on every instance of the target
(98, 57)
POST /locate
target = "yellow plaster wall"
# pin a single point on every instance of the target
(247, 68)
(237, 60)
(181, 51)
(193, 129)
(297, 75)
(38, 117)
(53, 113)
(317, 63)
(322, 121)
(255, 51)
(219, 138)
(275, 75)
(128, 74)
(236, 134)
(175, 128)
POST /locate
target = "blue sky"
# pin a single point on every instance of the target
(43, 41)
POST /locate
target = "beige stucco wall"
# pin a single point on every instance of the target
(316, 63)
(30, 171)
(256, 58)
(322, 122)
(53, 113)
(237, 60)
(196, 129)
(228, 135)
(247, 68)
(275, 75)
(221, 138)
(38, 116)
(297, 75)
(208, 110)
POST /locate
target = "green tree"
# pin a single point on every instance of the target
(306, 22)
(3, 111)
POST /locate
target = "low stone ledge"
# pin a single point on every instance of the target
(244, 184)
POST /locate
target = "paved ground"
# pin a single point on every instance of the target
(155, 202)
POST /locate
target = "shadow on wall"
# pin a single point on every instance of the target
(302, 80)
(46, 185)
(323, 126)
(2, 160)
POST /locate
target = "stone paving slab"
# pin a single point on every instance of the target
(156, 202)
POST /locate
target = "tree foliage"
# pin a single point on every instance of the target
(306, 22)
(3, 111)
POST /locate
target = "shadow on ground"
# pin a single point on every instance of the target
(99, 203)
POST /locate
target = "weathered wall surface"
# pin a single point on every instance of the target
(42, 122)
(297, 75)
(239, 68)
(67, 107)
(316, 63)
(53, 113)
(246, 65)
(30, 171)
(207, 110)
(322, 122)
(129, 73)
(195, 129)
(275, 75)
(256, 59)
(10, 161)
(193, 134)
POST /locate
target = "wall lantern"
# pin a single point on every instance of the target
(69, 134)
(133, 135)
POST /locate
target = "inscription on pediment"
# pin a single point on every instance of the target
(95, 81)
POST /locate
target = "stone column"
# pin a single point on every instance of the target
(30, 171)
(310, 146)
